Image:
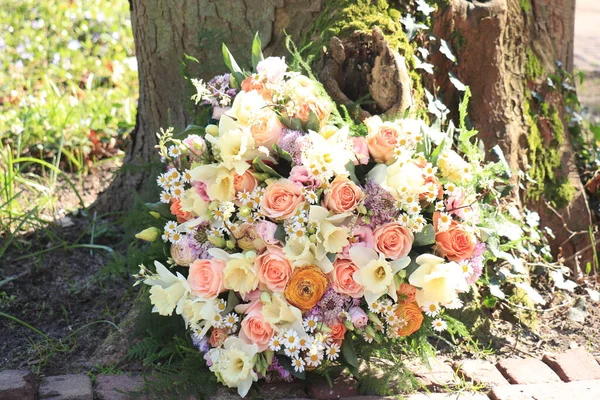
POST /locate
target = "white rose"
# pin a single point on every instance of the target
(401, 180)
(273, 68)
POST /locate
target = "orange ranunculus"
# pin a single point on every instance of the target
(411, 313)
(406, 293)
(306, 287)
(457, 243)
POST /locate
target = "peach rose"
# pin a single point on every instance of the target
(338, 330)
(266, 130)
(281, 199)
(393, 240)
(320, 108)
(255, 330)
(206, 278)
(457, 243)
(411, 313)
(274, 269)
(342, 278)
(382, 138)
(245, 182)
(176, 210)
(217, 337)
(251, 83)
(343, 195)
(407, 293)
(361, 151)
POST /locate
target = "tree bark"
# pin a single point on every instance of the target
(495, 40)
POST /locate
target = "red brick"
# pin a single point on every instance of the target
(574, 365)
(342, 387)
(437, 374)
(480, 372)
(526, 371)
(117, 387)
(580, 390)
(447, 396)
(17, 385)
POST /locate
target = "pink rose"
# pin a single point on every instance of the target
(200, 188)
(217, 337)
(255, 330)
(358, 317)
(206, 278)
(195, 144)
(361, 150)
(343, 195)
(393, 240)
(266, 130)
(274, 269)
(245, 182)
(281, 199)
(266, 230)
(342, 278)
(362, 236)
(299, 175)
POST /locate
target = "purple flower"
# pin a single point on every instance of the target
(201, 342)
(293, 142)
(221, 93)
(476, 263)
(281, 372)
(381, 203)
(331, 306)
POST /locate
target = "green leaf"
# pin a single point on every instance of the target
(438, 150)
(260, 166)
(312, 122)
(348, 351)
(257, 55)
(229, 60)
(490, 302)
(426, 237)
(280, 233)
(232, 301)
(350, 167)
(190, 130)
(284, 155)
(161, 208)
(295, 124)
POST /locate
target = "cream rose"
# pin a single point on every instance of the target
(343, 195)
(281, 199)
(393, 240)
(438, 281)
(206, 278)
(274, 269)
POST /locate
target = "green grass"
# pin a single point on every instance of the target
(68, 87)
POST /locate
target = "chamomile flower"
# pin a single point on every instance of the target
(451, 189)
(165, 197)
(431, 309)
(311, 196)
(187, 176)
(454, 304)
(290, 339)
(218, 321)
(333, 351)
(176, 237)
(166, 236)
(291, 352)
(231, 319)
(444, 221)
(303, 343)
(376, 307)
(220, 305)
(174, 151)
(275, 343)
(439, 206)
(439, 325)
(388, 307)
(413, 208)
(368, 337)
(404, 220)
(310, 323)
(298, 364)
(161, 180)
(467, 269)
(344, 315)
(171, 226)
(173, 176)
(314, 359)
(177, 192)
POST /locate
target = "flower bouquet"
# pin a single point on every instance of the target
(297, 234)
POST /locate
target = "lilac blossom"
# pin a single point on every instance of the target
(282, 372)
(331, 306)
(293, 142)
(221, 93)
(476, 263)
(381, 203)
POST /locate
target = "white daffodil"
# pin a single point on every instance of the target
(438, 281)
(278, 312)
(235, 143)
(239, 273)
(218, 180)
(327, 156)
(234, 364)
(375, 273)
(168, 291)
(331, 237)
(193, 203)
(301, 251)
(199, 314)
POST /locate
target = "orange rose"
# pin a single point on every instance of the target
(342, 280)
(245, 182)
(217, 337)
(393, 240)
(457, 243)
(206, 278)
(306, 287)
(274, 269)
(411, 313)
(343, 195)
(338, 330)
(281, 199)
(176, 210)
(407, 293)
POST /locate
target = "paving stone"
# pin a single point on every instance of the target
(437, 375)
(66, 387)
(447, 396)
(283, 390)
(343, 387)
(17, 385)
(574, 365)
(579, 390)
(526, 371)
(119, 387)
(480, 372)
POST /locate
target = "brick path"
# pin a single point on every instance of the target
(574, 374)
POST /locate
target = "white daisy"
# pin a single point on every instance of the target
(439, 325)
(174, 151)
(217, 321)
(298, 364)
(332, 351)
(165, 197)
(310, 323)
(231, 319)
(314, 359)
(171, 226)
(291, 352)
(220, 305)
(275, 343)
(431, 309)
(290, 339)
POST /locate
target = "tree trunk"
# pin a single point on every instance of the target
(505, 49)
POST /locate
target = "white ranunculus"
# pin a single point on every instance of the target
(375, 273)
(272, 68)
(168, 291)
(437, 280)
(234, 364)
